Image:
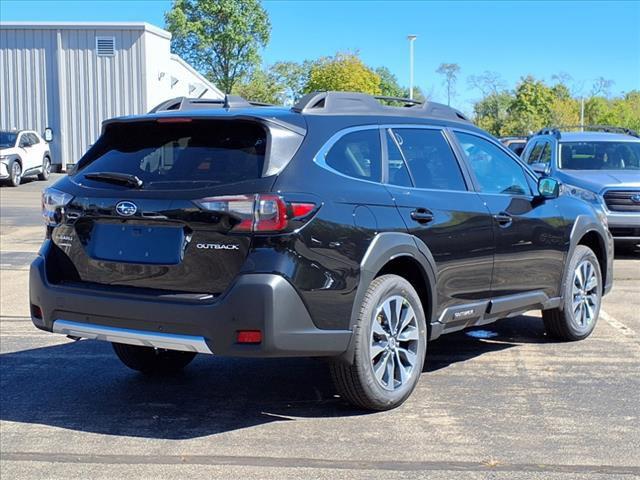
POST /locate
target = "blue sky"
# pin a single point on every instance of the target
(586, 39)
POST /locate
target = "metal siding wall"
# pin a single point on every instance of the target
(28, 88)
(97, 87)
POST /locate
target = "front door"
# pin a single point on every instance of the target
(529, 246)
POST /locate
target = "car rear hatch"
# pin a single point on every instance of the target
(169, 205)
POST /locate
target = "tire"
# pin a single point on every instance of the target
(15, 173)
(46, 169)
(406, 349)
(151, 360)
(580, 300)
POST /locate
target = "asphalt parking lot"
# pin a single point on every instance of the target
(500, 403)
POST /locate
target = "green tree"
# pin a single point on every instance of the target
(389, 86)
(343, 72)
(450, 72)
(262, 86)
(531, 107)
(293, 77)
(490, 113)
(220, 38)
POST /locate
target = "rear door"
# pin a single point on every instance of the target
(186, 227)
(432, 194)
(530, 247)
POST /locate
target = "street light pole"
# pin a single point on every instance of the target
(411, 38)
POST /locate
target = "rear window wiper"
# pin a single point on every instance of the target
(115, 177)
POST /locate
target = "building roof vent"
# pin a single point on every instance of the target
(106, 46)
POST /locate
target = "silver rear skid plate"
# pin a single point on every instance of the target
(169, 341)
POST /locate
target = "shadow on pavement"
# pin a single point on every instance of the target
(82, 386)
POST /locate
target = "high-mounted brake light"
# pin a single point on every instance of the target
(174, 120)
(259, 212)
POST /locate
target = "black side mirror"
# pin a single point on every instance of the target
(541, 168)
(548, 187)
(48, 135)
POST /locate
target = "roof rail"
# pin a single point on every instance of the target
(549, 131)
(352, 103)
(590, 128)
(185, 103)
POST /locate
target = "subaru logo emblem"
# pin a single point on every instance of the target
(126, 209)
(636, 198)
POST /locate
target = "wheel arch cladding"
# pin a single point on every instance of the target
(595, 242)
(586, 231)
(400, 254)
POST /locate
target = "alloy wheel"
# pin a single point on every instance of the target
(16, 173)
(585, 295)
(393, 347)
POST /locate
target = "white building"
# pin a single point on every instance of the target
(71, 76)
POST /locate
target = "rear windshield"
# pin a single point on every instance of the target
(192, 154)
(600, 155)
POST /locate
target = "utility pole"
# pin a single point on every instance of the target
(412, 39)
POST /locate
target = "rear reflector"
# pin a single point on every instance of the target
(301, 209)
(36, 311)
(249, 336)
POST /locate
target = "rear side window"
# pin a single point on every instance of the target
(430, 159)
(180, 155)
(357, 154)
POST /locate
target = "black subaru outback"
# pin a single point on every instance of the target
(343, 227)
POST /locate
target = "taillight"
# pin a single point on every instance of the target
(257, 213)
(53, 202)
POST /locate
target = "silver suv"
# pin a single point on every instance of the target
(600, 164)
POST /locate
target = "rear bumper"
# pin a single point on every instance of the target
(265, 302)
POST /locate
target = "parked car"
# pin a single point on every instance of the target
(515, 144)
(23, 153)
(338, 228)
(601, 164)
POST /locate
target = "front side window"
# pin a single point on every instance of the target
(495, 171)
(545, 156)
(430, 159)
(357, 154)
(24, 140)
(534, 155)
(600, 156)
(34, 139)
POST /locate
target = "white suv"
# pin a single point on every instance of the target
(23, 153)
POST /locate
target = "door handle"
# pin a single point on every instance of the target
(503, 219)
(422, 215)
